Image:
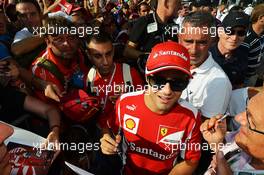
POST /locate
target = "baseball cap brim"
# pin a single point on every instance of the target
(163, 68)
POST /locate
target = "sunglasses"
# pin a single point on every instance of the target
(160, 82)
(240, 33)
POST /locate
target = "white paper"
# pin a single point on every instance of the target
(24, 137)
(77, 170)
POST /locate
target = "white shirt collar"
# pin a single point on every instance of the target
(209, 62)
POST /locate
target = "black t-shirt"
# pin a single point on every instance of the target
(146, 38)
(11, 103)
(235, 67)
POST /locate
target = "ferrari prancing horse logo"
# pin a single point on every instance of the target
(163, 131)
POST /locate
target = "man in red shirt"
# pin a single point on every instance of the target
(62, 59)
(106, 78)
(157, 127)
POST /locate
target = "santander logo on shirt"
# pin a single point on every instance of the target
(148, 151)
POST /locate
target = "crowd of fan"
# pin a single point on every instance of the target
(70, 61)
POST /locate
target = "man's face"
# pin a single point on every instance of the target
(5, 167)
(144, 10)
(214, 12)
(184, 10)
(28, 15)
(251, 141)
(162, 100)
(230, 39)
(101, 55)
(197, 42)
(261, 22)
(77, 18)
(64, 45)
(2, 24)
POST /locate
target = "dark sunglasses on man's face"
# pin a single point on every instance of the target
(240, 33)
(175, 84)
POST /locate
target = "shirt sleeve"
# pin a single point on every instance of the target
(47, 76)
(216, 98)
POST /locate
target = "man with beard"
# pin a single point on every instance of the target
(27, 42)
(155, 122)
(62, 56)
(107, 78)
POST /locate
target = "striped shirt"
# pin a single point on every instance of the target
(254, 45)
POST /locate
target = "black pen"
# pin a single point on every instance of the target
(113, 136)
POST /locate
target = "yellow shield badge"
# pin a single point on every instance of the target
(163, 131)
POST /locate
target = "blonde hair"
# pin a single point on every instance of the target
(257, 12)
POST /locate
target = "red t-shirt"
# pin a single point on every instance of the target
(116, 85)
(153, 139)
(44, 74)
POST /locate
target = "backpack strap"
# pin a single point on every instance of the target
(52, 68)
(90, 80)
(92, 73)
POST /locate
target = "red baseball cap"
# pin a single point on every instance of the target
(166, 56)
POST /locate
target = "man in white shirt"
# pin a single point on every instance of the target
(210, 89)
(245, 155)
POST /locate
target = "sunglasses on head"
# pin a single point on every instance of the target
(175, 84)
(236, 32)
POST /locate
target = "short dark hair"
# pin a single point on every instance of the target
(235, 8)
(101, 37)
(34, 2)
(199, 18)
(142, 4)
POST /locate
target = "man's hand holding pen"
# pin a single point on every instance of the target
(110, 142)
(214, 130)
